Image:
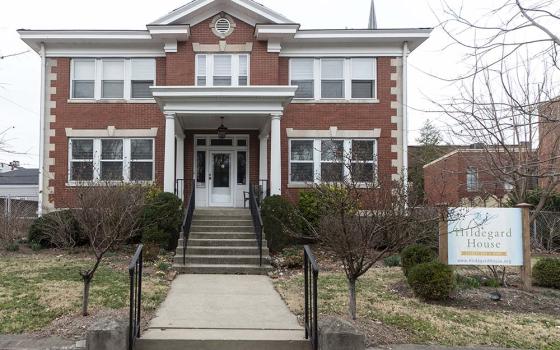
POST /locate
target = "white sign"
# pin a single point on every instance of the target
(485, 236)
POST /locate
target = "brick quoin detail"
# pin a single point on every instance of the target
(179, 69)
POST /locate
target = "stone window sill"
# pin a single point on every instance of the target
(135, 101)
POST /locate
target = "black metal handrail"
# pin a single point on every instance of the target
(135, 273)
(187, 219)
(311, 273)
(257, 220)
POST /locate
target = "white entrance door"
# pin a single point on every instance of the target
(221, 185)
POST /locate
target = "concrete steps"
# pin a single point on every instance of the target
(222, 241)
(222, 339)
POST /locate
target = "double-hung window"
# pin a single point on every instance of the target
(363, 161)
(201, 70)
(363, 78)
(111, 159)
(142, 77)
(81, 160)
(331, 160)
(112, 78)
(332, 78)
(302, 75)
(301, 161)
(222, 70)
(242, 79)
(141, 159)
(83, 79)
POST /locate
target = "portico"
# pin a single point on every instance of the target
(200, 109)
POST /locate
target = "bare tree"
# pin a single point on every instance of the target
(363, 218)
(107, 215)
(512, 71)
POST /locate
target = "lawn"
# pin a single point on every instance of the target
(389, 313)
(41, 293)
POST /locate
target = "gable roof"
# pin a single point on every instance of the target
(196, 11)
(20, 177)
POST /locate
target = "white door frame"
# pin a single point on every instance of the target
(204, 190)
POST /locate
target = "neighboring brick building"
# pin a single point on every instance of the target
(549, 150)
(460, 175)
(147, 105)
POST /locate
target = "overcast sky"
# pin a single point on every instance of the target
(20, 75)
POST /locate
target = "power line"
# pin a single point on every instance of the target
(14, 54)
(17, 104)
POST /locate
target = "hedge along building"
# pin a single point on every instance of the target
(225, 92)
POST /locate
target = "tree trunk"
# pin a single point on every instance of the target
(352, 298)
(85, 302)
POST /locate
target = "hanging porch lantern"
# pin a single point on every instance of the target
(222, 130)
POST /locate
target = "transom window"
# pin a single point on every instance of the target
(222, 70)
(111, 159)
(334, 78)
(326, 160)
(112, 78)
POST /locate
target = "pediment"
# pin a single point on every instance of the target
(197, 11)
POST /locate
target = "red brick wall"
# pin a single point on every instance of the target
(96, 116)
(351, 116)
(178, 69)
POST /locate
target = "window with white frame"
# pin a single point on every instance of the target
(111, 159)
(222, 70)
(142, 77)
(112, 85)
(301, 161)
(472, 179)
(83, 79)
(112, 78)
(334, 78)
(363, 78)
(301, 70)
(326, 160)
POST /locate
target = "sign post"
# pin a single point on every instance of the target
(443, 235)
(526, 269)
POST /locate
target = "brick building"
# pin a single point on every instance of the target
(227, 93)
(549, 148)
(463, 174)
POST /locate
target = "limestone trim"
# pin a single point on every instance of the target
(49, 146)
(111, 131)
(397, 119)
(222, 16)
(334, 132)
(222, 46)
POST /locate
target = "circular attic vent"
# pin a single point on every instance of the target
(223, 26)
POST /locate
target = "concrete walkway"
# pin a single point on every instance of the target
(204, 309)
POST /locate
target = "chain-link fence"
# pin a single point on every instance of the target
(16, 215)
(545, 232)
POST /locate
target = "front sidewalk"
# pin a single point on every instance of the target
(203, 309)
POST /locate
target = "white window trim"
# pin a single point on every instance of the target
(317, 160)
(97, 95)
(347, 82)
(234, 68)
(127, 160)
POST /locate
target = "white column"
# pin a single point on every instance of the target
(169, 161)
(275, 155)
(263, 159)
(180, 162)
